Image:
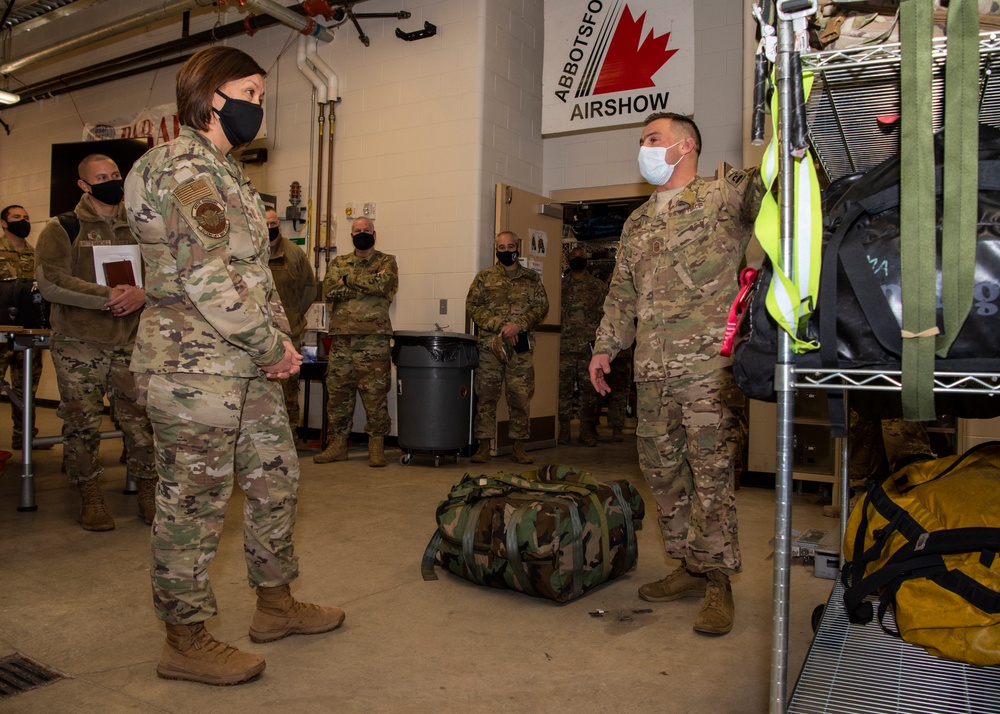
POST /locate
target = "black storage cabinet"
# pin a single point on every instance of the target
(433, 392)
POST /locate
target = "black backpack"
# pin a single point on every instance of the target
(859, 312)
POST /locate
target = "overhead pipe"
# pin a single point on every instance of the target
(78, 79)
(305, 25)
(165, 11)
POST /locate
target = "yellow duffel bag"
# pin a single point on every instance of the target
(926, 541)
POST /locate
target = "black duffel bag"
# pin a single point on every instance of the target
(22, 305)
(858, 316)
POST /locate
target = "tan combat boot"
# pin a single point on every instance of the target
(279, 615)
(588, 434)
(519, 454)
(483, 454)
(716, 615)
(564, 432)
(376, 451)
(94, 514)
(336, 450)
(679, 584)
(190, 653)
(146, 500)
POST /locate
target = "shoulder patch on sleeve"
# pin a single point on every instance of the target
(192, 191)
(736, 176)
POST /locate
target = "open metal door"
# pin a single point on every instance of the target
(541, 248)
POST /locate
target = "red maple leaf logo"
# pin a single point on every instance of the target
(630, 64)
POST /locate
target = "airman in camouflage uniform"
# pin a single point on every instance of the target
(582, 301)
(210, 343)
(93, 330)
(359, 288)
(17, 260)
(676, 272)
(295, 281)
(507, 302)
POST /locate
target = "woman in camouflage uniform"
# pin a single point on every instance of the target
(212, 335)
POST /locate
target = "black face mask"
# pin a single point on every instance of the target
(19, 228)
(273, 232)
(577, 263)
(110, 193)
(363, 241)
(507, 258)
(240, 120)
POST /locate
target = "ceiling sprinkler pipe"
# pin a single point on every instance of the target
(305, 25)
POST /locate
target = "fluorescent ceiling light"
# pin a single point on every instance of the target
(8, 98)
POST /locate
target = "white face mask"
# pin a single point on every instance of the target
(653, 164)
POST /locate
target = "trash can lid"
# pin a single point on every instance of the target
(414, 337)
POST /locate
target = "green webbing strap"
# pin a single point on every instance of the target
(514, 549)
(961, 152)
(605, 536)
(918, 221)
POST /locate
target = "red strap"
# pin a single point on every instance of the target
(748, 277)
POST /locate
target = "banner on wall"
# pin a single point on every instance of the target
(613, 62)
(159, 123)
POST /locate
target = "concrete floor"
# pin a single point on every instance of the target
(79, 602)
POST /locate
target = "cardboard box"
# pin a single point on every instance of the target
(316, 317)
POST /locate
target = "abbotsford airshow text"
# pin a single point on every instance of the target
(641, 104)
(581, 66)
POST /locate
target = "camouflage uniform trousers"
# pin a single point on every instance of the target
(13, 360)
(575, 389)
(290, 393)
(684, 437)
(620, 383)
(358, 363)
(210, 429)
(85, 372)
(517, 380)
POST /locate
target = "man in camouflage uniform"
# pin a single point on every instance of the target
(676, 272)
(295, 281)
(17, 260)
(582, 300)
(210, 345)
(507, 302)
(93, 331)
(359, 288)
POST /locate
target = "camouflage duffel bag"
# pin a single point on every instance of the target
(553, 532)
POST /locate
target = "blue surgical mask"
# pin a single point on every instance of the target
(653, 164)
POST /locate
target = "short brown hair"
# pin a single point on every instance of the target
(202, 74)
(686, 124)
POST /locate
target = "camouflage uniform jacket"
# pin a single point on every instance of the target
(211, 305)
(16, 263)
(582, 301)
(67, 277)
(295, 281)
(676, 271)
(497, 297)
(359, 292)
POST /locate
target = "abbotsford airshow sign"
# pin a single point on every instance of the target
(613, 62)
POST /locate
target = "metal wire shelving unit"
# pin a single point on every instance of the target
(853, 113)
